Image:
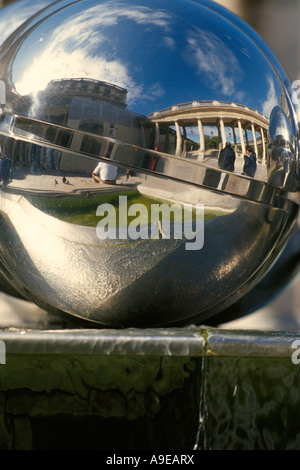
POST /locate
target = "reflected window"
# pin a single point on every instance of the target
(60, 119)
(90, 146)
(53, 100)
(66, 101)
(94, 127)
(63, 138)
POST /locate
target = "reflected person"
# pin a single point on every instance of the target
(250, 164)
(6, 166)
(105, 173)
(227, 158)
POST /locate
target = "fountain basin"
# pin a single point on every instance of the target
(172, 389)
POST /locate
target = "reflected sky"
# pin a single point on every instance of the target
(12, 16)
(163, 53)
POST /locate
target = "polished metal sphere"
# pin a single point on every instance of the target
(129, 130)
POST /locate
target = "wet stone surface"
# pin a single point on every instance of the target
(102, 402)
(252, 403)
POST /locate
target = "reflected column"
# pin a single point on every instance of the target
(242, 137)
(223, 133)
(201, 141)
(254, 139)
(178, 140)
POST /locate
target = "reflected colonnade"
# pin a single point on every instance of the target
(181, 131)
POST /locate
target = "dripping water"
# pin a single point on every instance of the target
(201, 436)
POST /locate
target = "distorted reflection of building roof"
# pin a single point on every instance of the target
(209, 110)
(78, 101)
(95, 89)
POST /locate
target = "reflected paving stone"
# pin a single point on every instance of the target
(169, 389)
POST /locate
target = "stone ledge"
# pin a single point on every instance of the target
(191, 341)
(169, 342)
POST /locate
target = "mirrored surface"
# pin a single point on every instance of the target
(164, 104)
(16, 13)
(208, 95)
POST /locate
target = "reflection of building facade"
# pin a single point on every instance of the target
(181, 130)
(90, 106)
(58, 96)
(98, 111)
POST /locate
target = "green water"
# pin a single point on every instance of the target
(82, 210)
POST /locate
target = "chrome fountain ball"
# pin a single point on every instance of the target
(153, 92)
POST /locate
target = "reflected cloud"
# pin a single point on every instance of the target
(271, 100)
(111, 12)
(207, 51)
(169, 42)
(13, 16)
(71, 48)
(70, 64)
